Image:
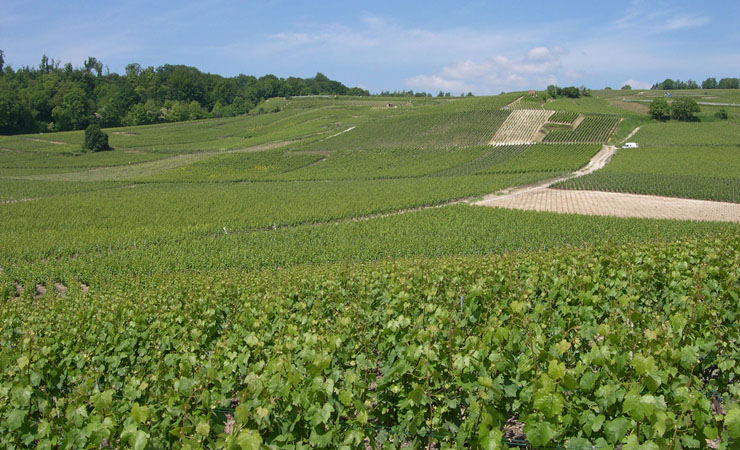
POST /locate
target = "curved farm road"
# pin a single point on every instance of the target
(540, 197)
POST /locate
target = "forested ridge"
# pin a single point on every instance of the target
(59, 97)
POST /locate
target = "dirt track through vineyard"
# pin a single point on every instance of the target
(540, 197)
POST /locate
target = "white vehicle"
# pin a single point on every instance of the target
(630, 145)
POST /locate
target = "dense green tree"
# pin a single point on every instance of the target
(729, 83)
(709, 83)
(14, 114)
(2, 62)
(571, 92)
(71, 114)
(626, 87)
(684, 109)
(721, 114)
(659, 109)
(95, 139)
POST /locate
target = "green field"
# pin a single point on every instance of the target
(315, 278)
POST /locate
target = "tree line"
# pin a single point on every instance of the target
(710, 83)
(56, 97)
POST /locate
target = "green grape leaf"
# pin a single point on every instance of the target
(616, 429)
(588, 380)
(139, 413)
(203, 428)
(249, 440)
(732, 421)
(241, 414)
(15, 418)
(539, 434)
(556, 370)
(491, 440)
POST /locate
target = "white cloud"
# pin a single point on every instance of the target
(437, 83)
(637, 84)
(538, 68)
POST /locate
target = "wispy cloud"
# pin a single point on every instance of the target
(538, 67)
(682, 22)
(662, 19)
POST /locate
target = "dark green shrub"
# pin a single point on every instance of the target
(95, 139)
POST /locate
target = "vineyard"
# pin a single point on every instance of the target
(428, 129)
(699, 172)
(316, 274)
(472, 352)
(566, 117)
(491, 158)
(548, 158)
(593, 129)
(521, 127)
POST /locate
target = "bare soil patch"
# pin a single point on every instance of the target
(61, 289)
(124, 133)
(596, 203)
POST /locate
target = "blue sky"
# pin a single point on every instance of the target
(480, 46)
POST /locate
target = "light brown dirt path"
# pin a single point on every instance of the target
(596, 203)
(632, 133)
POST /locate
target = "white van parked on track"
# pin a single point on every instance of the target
(630, 145)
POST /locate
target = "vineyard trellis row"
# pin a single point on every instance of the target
(593, 129)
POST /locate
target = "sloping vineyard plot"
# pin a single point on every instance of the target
(593, 129)
(548, 158)
(564, 117)
(419, 130)
(521, 127)
(490, 159)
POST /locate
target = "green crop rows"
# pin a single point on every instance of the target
(548, 158)
(564, 117)
(400, 352)
(593, 129)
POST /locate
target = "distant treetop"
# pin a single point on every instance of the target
(709, 83)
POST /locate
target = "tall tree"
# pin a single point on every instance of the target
(709, 83)
(659, 109)
(729, 83)
(684, 109)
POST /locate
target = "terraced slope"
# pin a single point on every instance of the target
(521, 127)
